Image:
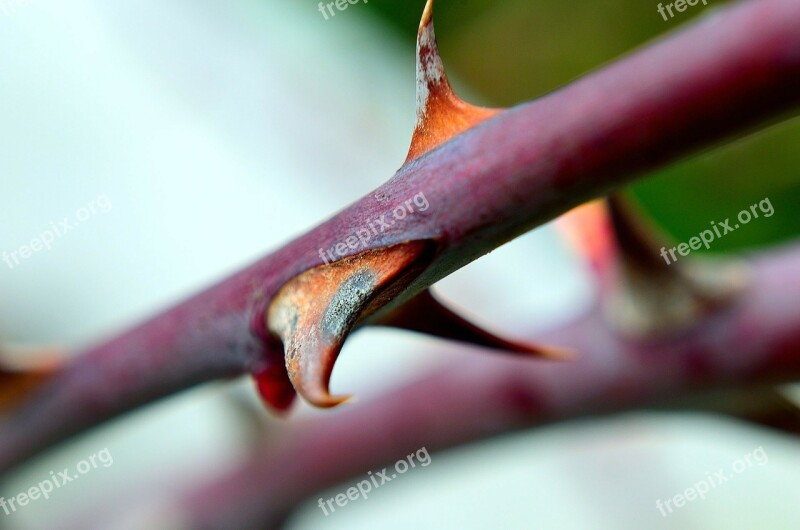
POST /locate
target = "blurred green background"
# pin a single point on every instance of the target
(512, 51)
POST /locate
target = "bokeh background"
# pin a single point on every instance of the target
(219, 130)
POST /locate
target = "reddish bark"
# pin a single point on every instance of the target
(752, 344)
(527, 165)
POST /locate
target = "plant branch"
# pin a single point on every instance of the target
(719, 78)
(751, 345)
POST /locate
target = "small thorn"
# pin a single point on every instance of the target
(441, 114)
(314, 312)
(25, 369)
(648, 296)
(637, 240)
(656, 297)
(425, 314)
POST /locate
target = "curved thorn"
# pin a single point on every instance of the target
(314, 312)
(441, 114)
(425, 314)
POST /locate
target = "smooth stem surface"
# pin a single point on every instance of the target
(719, 78)
(752, 344)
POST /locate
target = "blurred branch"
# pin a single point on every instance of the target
(751, 345)
(721, 77)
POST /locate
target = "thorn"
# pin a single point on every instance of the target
(646, 295)
(655, 297)
(25, 369)
(314, 312)
(441, 114)
(425, 314)
(637, 240)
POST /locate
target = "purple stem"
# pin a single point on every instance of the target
(716, 79)
(754, 343)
